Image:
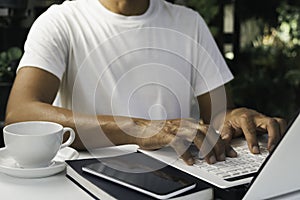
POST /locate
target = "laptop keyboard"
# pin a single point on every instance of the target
(245, 164)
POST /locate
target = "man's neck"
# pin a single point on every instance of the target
(126, 7)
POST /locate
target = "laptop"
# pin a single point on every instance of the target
(270, 175)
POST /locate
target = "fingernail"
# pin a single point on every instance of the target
(272, 147)
(222, 157)
(255, 150)
(233, 153)
(190, 161)
(212, 159)
(224, 137)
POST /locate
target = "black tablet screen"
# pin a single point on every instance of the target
(142, 173)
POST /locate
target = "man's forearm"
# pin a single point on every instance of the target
(91, 131)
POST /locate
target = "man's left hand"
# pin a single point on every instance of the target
(250, 122)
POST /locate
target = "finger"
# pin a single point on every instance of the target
(230, 152)
(188, 158)
(182, 150)
(227, 133)
(205, 148)
(210, 158)
(282, 124)
(201, 122)
(249, 129)
(273, 132)
(218, 144)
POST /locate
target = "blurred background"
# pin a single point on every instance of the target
(261, 43)
(260, 40)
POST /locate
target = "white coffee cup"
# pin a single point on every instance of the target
(33, 144)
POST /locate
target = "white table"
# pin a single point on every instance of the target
(57, 187)
(53, 188)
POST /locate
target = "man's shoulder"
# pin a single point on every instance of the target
(177, 8)
(178, 17)
(63, 14)
(65, 9)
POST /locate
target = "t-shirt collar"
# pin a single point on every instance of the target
(109, 15)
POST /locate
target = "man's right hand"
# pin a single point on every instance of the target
(180, 134)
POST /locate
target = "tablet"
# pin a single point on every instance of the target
(142, 173)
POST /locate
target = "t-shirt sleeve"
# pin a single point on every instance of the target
(46, 46)
(211, 70)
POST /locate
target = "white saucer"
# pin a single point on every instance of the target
(9, 166)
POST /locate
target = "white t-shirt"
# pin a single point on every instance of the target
(150, 66)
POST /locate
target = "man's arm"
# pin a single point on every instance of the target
(31, 98)
(34, 91)
(214, 103)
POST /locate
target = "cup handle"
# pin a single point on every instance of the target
(70, 139)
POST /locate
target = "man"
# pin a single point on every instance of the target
(130, 71)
